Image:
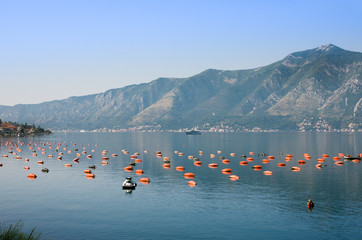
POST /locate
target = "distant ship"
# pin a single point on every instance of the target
(193, 132)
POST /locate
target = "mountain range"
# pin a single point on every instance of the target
(321, 82)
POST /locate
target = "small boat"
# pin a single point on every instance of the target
(129, 184)
(193, 132)
(351, 158)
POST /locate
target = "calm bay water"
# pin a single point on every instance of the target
(63, 204)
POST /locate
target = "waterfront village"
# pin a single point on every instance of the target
(12, 129)
(307, 125)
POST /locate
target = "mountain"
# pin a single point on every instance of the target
(322, 82)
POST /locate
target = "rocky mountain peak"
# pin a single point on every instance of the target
(326, 47)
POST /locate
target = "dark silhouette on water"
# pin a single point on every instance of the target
(310, 205)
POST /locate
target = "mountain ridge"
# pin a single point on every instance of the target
(319, 82)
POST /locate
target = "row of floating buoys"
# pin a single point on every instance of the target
(197, 162)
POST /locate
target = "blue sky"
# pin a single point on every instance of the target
(56, 49)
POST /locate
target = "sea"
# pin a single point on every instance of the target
(64, 204)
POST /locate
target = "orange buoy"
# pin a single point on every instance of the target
(18, 157)
(301, 162)
(180, 154)
(180, 168)
(67, 165)
(166, 159)
(145, 180)
(243, 163)
(104, 162)
(226, 171)
(281, 164)
(5, 156)
(90, 175)
(166, 165)
(218, 151)
(26, 168)
(213, 165)
(32, 176)
(257, 167)
(26, 159)
(356, 160)
(288, 159)
(114, 155)
(320, 160)
(325, 156)
(295, 169)
(251, 153)
(268, 173)
(198, 163)
(226, 161)
(89, 156)
(340, 154)
(137, 160)
(40, 162)
(250, 159)
(319, 166)
(212, 155)
(189, 175)
(232, 154)
(105, 158)
(289, 156)
(265, 161)
(128, 169)
(339, 163)
(234, 177)
(192, 183)
(139, 171)
(307, 157)
(271, 157)
(87, 171)
(336, 158)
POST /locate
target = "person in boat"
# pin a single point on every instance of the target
(310, 205)
(128, 181)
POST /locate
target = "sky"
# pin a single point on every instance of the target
(52, 50)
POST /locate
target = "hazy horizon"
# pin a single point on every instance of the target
(53, 50)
